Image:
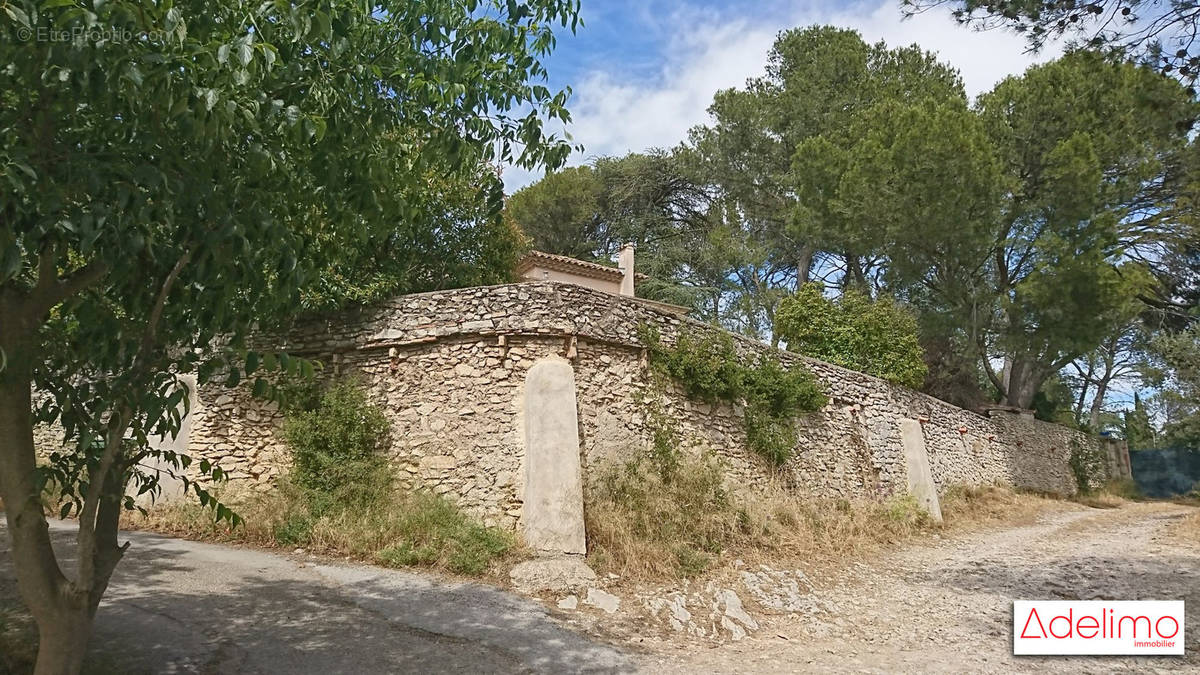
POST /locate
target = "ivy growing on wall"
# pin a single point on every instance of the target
(707, 366)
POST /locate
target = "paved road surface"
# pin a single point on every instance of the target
(190, 607)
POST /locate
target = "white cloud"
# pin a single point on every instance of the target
(613, 114)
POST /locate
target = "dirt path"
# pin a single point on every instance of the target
(947, 608)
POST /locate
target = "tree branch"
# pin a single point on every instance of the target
(987, 368)
(100, 478)
(51, 290)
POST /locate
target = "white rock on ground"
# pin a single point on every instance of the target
(602, 600)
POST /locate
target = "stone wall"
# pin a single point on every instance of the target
(448, 369)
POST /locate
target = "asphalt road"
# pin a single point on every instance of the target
(178, 606)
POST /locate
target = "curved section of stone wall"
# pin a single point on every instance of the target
(448, 367)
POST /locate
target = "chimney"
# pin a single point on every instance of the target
(625, 263)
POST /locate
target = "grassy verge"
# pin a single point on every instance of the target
(396, 528)
(644, 523)
(1111, 495)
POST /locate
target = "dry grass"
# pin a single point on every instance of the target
(398, 528)
(1112, 495)
(1188, 528)
(647, 525)
(971, 507)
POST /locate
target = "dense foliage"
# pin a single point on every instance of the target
(876, 337)
(340, 480)
(336, 446)
(1176, 370)
(649, 200)
(708, 367)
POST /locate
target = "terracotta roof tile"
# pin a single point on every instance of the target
(564, 264)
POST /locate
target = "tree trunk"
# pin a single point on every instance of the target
(63, 615)
(1025, 378)
(804, 265)
(1083, 390)
(1098, 403)
(62, 642)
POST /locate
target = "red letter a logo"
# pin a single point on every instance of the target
(1024, 630)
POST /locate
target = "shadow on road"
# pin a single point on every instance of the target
(184, 607)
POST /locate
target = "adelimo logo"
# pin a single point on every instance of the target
(1097, 627)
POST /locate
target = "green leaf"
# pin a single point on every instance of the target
(16, 14)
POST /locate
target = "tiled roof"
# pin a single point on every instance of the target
(564, 264)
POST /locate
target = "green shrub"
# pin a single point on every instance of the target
(1085, 464)
(782, 391)
(771, 436)
(708, 367)
(335, 448)
(294, 528)
(341, 494)
(877, 337)
(430, 530)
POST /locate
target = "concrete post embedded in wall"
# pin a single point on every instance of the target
(920, 478)
(172, 487)
(552, 518)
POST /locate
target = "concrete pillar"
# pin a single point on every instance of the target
(172, 487)
(552, 517)
(920, 478)
(625, 263)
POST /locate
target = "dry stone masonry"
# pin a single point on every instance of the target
(450, 370)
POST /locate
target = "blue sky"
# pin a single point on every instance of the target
(643, 72)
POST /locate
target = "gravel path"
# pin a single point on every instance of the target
(947, 608)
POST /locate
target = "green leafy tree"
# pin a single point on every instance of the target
(461, 238)
(166, 192)
(875, 337)
(1083, 141)
(819, 81)
(563, 213)
(1139, 432)
(1175, 369)
(1040, 252)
